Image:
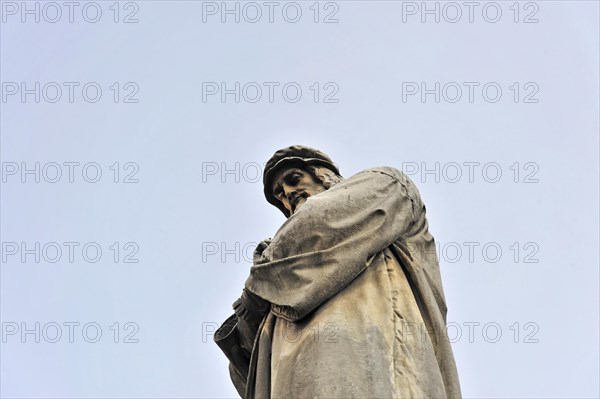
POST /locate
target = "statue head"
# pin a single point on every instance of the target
(295, 173)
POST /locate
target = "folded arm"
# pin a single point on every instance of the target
(328, 242)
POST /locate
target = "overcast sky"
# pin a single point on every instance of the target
(133, 136)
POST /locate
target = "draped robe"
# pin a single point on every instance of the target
(357, 306)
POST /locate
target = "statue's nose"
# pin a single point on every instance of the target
(288, 190)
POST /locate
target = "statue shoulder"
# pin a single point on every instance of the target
(392, 172)
(410, 189)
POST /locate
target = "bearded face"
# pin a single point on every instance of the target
(292, 186)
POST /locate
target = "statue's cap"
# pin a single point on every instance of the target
(296, 155)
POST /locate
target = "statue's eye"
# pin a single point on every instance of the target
(293, 178)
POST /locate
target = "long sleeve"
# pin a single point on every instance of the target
(228, 338)
(330, 240)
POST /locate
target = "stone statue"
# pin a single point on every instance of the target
(346, 300)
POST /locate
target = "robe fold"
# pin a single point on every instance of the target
(358, 309)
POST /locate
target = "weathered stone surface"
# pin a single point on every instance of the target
(346, 300)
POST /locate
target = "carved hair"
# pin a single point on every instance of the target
(326, 176)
